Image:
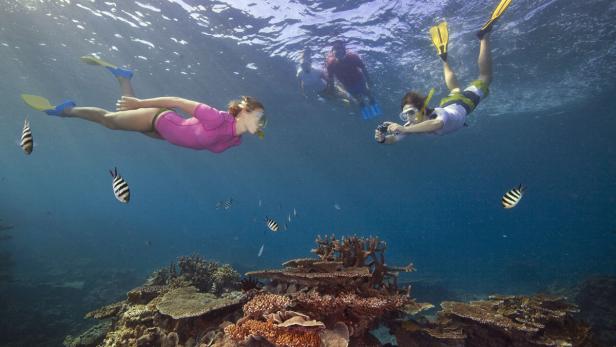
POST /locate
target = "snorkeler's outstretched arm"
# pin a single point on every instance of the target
(130, 103)
(427, 126)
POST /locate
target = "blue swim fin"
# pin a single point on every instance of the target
(371, 111)
(57, 111)
(120, 72)
(366, 112)
(376, 109)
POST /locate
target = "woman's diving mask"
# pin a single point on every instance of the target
(262, 125)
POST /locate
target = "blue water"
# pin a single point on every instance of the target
(549, 123)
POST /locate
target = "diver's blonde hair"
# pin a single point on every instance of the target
(247, 103)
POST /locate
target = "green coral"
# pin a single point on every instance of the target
(225, 277)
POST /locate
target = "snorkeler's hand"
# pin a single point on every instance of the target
(394, 128)
(128, 103)
(379, 136)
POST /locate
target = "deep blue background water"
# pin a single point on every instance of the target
(549, 124)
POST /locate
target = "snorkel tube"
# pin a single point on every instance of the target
(422, 112)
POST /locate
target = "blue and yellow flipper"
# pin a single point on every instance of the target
(115, 70)
(40, 103)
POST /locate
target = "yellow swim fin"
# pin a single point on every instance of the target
(498, 11)
(92, 60)
(38, 103)
(440, 38)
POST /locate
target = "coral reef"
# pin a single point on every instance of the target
(169, 311)
(336, 298)
(188, 302)
(91, 337)
(500, 321)
(194, 270)
(596, 298)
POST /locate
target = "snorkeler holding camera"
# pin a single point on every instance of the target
(451, 114)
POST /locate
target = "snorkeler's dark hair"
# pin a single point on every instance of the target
(338, 44)
(247, 103)
(414, 99)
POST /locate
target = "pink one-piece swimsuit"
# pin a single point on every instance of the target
(208, 128)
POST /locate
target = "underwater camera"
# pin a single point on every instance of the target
(382, 128)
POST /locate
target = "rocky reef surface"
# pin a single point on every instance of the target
(334, 299)
(596, 298)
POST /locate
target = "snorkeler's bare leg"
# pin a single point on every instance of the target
(450, 77)
(485, 60)
(132, 120)
(116, 117)
(126, 87)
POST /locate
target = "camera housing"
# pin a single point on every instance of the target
(382, 128)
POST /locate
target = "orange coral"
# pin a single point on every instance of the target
(266, 303)
(373, 305)
(275, 335)
(328, 304)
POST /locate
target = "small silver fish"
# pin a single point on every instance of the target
(260, 202)
(120, 187)
(513, 197)
(289, 218)
(261, 250)
(225, 204)
(337, 207)
(271, 224)
(294, 212)
(27, 141)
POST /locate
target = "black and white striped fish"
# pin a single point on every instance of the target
(120, 187)
(27, 142)
(271, 224)
(225, 204)
(513, 197)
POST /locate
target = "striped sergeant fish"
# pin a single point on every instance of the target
(512, 197)
(27, 142)
(271, 224)
(225, 204)
(120, 187)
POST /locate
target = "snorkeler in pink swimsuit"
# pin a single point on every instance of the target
(207, 128)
